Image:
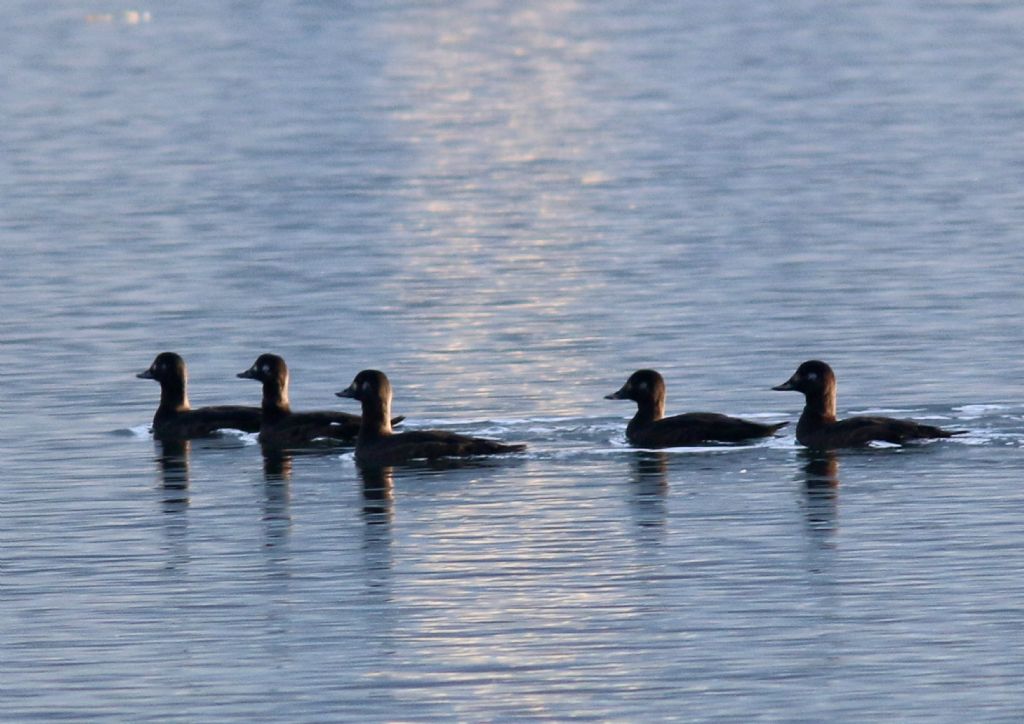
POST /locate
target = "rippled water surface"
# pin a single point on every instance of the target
(508, 207)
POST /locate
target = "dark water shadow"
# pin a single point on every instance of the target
(378, 481)
(378, 486)
(820, 488)
(377, 598)
(648, 492)
(172, 458)
(277, 557)
(276, 513)
(277, 465)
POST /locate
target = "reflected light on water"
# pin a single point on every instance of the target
(496, 274)
(127, 17)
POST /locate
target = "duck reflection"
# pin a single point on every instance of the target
(277, 465)
(650, 486)
(378, 481)
(172, 460)
(377, 601)
(650, 470)
(821, 489)
(277, 475)
(378, 494)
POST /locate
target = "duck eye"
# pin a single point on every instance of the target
(366, 385)
(265, 369)
(812, 376)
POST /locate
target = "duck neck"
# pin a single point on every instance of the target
(376, 420)
(275, 399)
(820, 405)
(173, 396)
(649, 409)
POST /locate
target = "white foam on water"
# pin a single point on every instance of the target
(980, 409)
(142, 432)
(882, 444)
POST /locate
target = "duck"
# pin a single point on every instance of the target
(819, 429)
(377, 445)
(282, 428)
(175, 419)
(649, 428)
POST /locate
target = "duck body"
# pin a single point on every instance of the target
(280, 426)
(649, 428)
(819, 429)
(298, 429)
(175, 419)
(818, 434)
(204, 421)
(403, 447)
(377, 445)
(694, 428)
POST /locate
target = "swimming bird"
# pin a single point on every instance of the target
(377, 445)
(175, 419)
(280, 426)
(818, 427)
(649, 428)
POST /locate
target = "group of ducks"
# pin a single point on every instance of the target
(377, 444)
(280, 428)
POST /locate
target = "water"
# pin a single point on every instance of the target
(509, 209)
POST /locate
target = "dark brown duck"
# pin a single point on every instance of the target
(282, 428)
(649, 428)
(819, 429)
(377, 445)
(176, 420)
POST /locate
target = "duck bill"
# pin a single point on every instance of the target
(145, 375)
(349, 392)
(249, 374)
(785, 386)
(617, 395)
